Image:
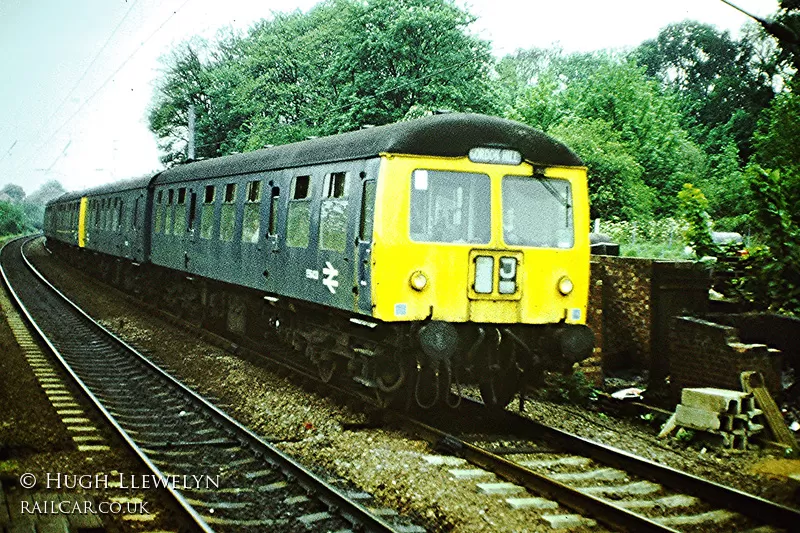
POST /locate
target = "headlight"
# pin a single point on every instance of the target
(565, 285)
(418, 280)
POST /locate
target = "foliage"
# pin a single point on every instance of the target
(12, 219)
(343, 65)
(787, 32)
(715, 78)
(12, 193)
(615, 176)
(48, 191)
(26, 213)
(684, 435)
(773, 279)
(776, 139)
(720, 86)
(569, 388)
(655, 239)
(694, 208)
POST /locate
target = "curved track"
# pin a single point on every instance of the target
(222, 474)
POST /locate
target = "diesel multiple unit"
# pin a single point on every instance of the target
(411, 258)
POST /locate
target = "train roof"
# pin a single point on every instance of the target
(446, 135)
(118, 186)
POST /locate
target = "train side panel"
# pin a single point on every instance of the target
(302, 232)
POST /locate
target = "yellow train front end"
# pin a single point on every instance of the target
(488, 257)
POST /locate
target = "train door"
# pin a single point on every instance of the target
(363, 291)
(252, 239)
(271, 237)
(190, 249)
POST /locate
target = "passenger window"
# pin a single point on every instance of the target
(119, 216)
(333, 214)
(207, 215)
(367, 211)
(192, 210)
(301, 187)
(252, 207)
(273, 211)
(228, 213)
(334, 185)
(180, 213)
(299, 213)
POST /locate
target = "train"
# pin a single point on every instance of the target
(413, 259)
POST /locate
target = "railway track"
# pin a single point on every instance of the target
(561, 474)
(574, 482)
(222, 474)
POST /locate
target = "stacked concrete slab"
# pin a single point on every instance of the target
(726, 417)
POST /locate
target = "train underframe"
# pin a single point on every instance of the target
(404, 364)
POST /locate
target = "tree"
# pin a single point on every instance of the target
(13, 192)
(616, 188)
(776, 139)
(184, 84)
(48, 191)
(12, 219)
(411, 52)
(719, 82)
(342, 65)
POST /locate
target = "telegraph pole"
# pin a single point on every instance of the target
(190, 150)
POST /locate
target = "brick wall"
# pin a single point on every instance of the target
(707, 354)
(619, 307)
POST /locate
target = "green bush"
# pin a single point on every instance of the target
(12, 219)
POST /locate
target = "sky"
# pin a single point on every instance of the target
(78, 77)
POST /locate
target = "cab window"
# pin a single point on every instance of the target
(450, 207)
(537, 211)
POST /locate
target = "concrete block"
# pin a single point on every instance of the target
(667, 502)
(469, 473)
(569, 460)
(444, 460)
(697, 418)
(568, 521)
(637, 488)
(710, 519)
(717, 400)
(601, 474)
(531, 503)
(500, 488)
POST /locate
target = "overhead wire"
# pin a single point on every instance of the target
(85, 72)
(106, 82)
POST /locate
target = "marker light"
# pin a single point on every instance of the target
(508, 275)
(484, 274)
(565, 285)
(418, 280)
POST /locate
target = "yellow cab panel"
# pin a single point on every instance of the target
(460, 241)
